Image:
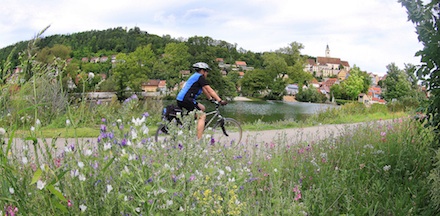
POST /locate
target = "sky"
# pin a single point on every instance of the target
(370, 34)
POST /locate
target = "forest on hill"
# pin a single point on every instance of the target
(139, 56)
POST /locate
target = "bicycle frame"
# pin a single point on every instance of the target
(215, 113)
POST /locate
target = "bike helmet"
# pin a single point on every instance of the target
(201, 65)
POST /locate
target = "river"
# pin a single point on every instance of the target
(269, 111)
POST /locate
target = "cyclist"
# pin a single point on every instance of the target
(194, 86)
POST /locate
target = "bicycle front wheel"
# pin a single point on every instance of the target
(227, 132)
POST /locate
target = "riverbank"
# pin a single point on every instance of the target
(285, 98)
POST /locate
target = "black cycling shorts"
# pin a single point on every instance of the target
(188, 105)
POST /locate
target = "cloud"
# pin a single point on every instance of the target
(370, 34)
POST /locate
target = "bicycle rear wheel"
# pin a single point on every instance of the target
(227, 132)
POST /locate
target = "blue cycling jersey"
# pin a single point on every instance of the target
(192, 88)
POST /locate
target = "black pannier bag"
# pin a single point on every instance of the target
(170, 112)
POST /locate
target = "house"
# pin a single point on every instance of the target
(151, 85)
(373, 96)
(103, 59)
(292, 89)
(94, 60)
(185, 73)
(342, 75)
(241, 65)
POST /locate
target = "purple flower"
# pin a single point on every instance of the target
(111, 135)
(212, 141)
(146, 114)
(103, 128)
(124, 142)
(180, 146)
(103, 120)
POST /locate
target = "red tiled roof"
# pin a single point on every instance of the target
(151, 83)
(345, 63)
(328, 60)
(162, 83)
(240, 63)
(311, 62)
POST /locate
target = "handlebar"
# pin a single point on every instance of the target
(217, 103)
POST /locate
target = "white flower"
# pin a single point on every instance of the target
(74, 173)
(42, 167)
(88, 152)
(227, 168)
(37, 122)
(11, 190)
(169, 203)
(68, 122)
(2, 131)
(134, 134)
(137, 209)
(81, 177)
(386, 168)
(119, 121)
(24, 160)
(82, 207)
(221, 172)
(231, 179)
(275, 170)
(109, 188)
(107, 146)
(145, 130)
(32, 128)
(379, 152)
(80, 164)
(138, 121)
(369, 146)
(41, 184)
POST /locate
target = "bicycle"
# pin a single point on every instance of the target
(224, 130)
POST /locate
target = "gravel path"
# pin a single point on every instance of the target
(290, 136)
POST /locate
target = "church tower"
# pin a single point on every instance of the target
(327, 52)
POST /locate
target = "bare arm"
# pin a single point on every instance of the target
(210, 93)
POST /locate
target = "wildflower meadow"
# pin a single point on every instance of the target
(379, 168)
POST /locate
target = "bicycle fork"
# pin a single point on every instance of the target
(222, 125)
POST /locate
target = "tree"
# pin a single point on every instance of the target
(295, 61)
(175, 59)
(426, 20)
(396, 84)
(353, 85)
(133, 69)
(276, 70)
(254, 83)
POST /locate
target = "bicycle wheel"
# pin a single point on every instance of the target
(162, 133)
(227, 132)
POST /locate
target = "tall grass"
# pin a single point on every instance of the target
(375, 169)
